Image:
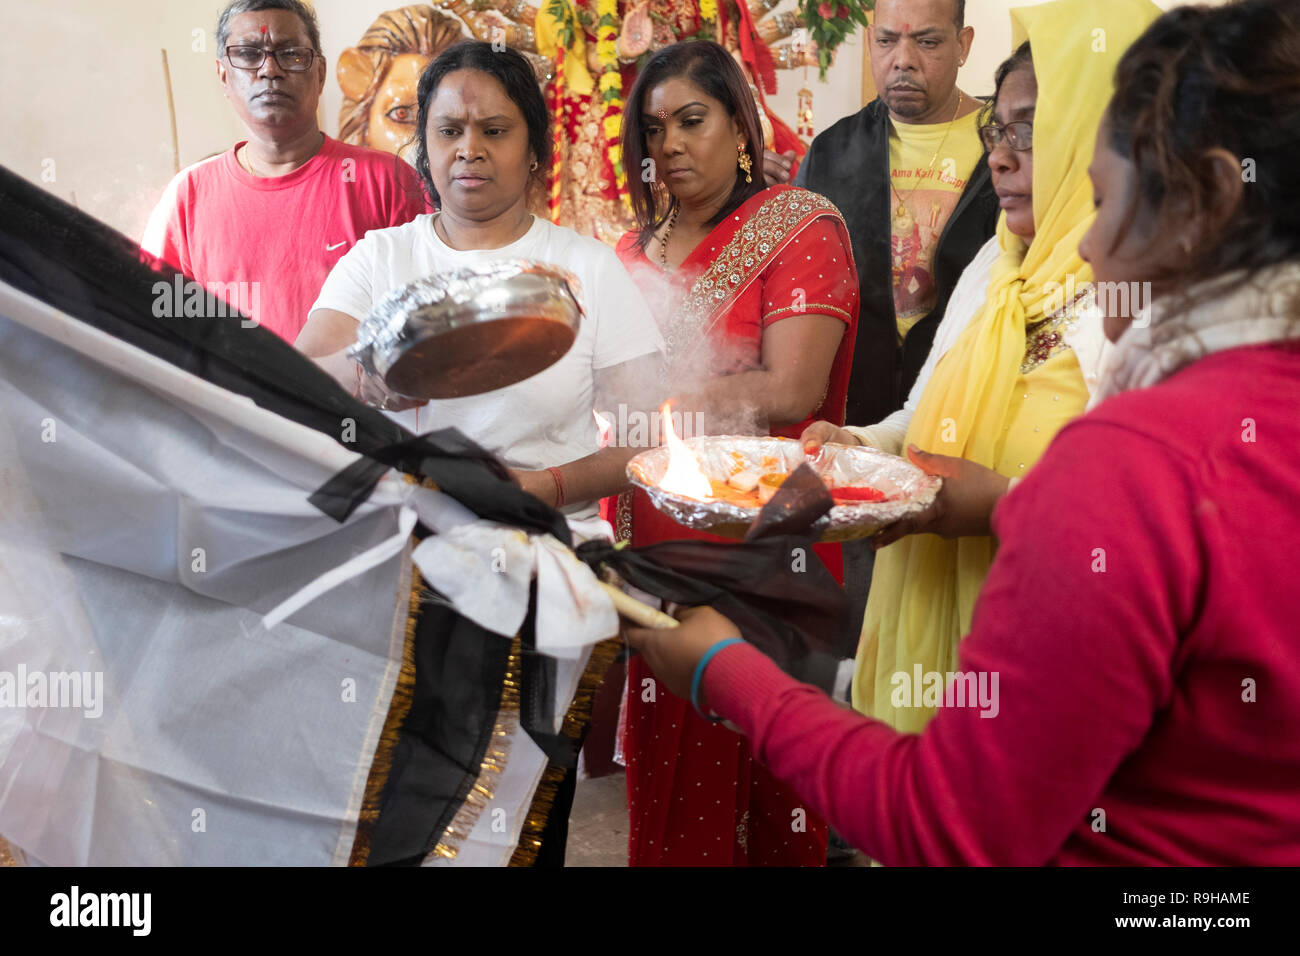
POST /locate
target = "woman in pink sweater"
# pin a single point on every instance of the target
(1130, 689)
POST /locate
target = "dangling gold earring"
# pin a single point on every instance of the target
(744, 162)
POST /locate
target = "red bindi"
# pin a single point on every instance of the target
(264, 29)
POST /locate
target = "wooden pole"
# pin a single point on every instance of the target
(638, 612)
(869, 91)
(171, 114)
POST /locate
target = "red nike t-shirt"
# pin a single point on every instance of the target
(265, 245)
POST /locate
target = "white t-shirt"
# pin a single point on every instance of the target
(543, 421)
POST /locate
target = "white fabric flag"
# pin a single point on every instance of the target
(148, 521)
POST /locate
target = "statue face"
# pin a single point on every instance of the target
(392, 124)
(380, 77)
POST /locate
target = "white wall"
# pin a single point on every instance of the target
(992, 22)
(84, 111)
(84, 98)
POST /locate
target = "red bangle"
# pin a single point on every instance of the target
(559, 487)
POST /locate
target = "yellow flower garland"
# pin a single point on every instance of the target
(709, 10)
(611, 86)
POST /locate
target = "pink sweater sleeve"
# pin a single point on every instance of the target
(1079, 621)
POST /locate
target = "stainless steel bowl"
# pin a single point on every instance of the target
(910, 490)
(471, 330)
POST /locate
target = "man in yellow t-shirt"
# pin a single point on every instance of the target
(929, 167)
(906, 173)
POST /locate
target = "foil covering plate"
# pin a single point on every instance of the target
(909, 490)
(472, 330)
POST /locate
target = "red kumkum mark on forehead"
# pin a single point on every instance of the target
(264, 29)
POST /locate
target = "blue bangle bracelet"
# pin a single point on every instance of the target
(698, 677)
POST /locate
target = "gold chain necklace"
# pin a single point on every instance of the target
(901, 212)
(247, 161)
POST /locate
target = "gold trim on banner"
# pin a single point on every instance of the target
(398, 708)
(576, 721)
(494, 759)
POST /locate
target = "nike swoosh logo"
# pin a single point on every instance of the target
(336, 245)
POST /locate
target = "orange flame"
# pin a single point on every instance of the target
(683, 476)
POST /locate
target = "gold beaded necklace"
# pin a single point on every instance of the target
(663, 243)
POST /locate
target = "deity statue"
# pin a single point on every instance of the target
(581, 71)
(379, 76)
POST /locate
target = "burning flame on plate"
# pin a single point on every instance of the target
(683, 476)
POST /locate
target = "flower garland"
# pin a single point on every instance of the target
(709, 26)
(830, 21)
(611, 88)
(555, 105)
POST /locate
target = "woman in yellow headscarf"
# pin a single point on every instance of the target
(1011, 379)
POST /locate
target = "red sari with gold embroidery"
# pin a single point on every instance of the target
(695, 793)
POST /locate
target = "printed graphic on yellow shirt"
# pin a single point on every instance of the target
(929, 168)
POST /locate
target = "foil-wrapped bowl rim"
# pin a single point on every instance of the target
(388, 326)
(910, 490)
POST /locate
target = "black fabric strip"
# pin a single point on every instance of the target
(775, 590)
(459, 672)
(341, 495)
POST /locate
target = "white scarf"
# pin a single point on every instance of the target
(1161, 340)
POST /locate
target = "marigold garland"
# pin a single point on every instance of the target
(611, 88)
(557, 142)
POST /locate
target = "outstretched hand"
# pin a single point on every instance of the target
(673, 653)
(962, 508)
(825, 433)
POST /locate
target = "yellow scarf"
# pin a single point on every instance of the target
(923, 587)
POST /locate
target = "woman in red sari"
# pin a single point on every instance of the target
(756, 295)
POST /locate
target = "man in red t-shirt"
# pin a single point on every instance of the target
(261, 225)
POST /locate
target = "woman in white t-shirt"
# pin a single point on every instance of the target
(482, 138)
